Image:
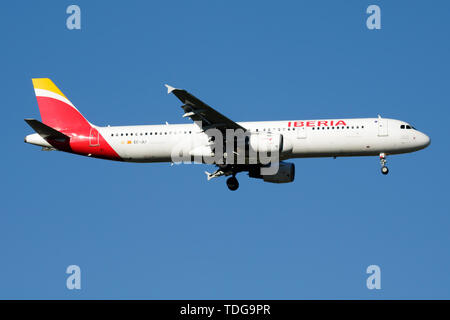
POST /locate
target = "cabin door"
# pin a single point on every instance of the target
(94, 138)
(382, 127)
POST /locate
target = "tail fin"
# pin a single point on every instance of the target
(56, 110)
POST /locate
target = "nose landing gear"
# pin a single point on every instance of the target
(232, 183)
(384, 169)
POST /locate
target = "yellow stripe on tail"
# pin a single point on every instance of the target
(46, 84)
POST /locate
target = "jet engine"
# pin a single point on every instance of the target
(285, 173)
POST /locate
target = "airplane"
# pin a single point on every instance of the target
(64, 128)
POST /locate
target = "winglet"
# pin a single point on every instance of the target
(169, 88)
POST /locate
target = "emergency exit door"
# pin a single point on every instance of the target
(301, 132)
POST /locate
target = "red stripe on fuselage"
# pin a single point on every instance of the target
(83, 143)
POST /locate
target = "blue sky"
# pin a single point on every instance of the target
(159, 232)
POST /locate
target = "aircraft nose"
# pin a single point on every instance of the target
(424, 140)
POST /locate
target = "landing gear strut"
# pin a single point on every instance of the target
(232, 183)
(384, 169)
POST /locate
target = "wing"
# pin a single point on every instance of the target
(197, 110)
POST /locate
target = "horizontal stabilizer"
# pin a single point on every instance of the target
(45, 131)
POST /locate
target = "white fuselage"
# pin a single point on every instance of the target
(308, 138)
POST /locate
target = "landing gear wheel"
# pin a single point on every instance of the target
(232, 183)
(384, 169)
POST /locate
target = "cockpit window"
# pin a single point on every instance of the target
(408, 127)
(402, 126)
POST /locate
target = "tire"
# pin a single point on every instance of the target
(232, 183)
(384, 170)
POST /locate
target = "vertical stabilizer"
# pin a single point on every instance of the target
(56, 110)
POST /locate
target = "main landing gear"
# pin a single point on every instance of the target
(227, 170)
(384, 169)
(232, 183)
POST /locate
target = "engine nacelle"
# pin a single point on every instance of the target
(266, 142)
(285, 173)
(287, 146)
